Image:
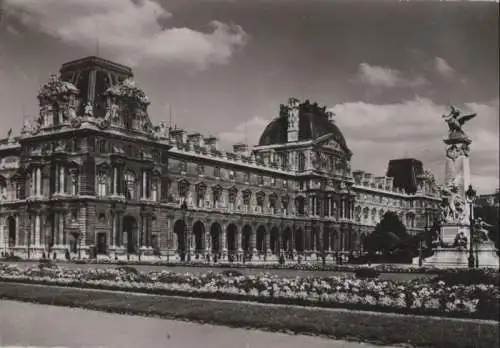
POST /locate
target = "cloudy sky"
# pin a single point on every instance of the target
(388, 69)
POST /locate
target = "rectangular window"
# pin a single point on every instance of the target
(261, 180)
(273, 181)
(217, 172)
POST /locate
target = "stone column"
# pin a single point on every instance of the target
(61, 228)
(62, 185)
(39, 180)
(224, 239)
(239, 236)
(113, 229)
(115, 181)
(267, 242)
(17, 230)
(37, 229)
(144, 183)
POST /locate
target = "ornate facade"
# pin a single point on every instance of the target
(91, 175)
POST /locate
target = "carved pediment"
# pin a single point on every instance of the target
(331, 144)
(55, 88)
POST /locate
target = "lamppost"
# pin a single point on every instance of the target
(471, 195)
(426, 229)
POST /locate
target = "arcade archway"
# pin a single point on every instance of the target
(180, 231)
(215, 234)
(11, 225)
(261, 239)
(130, 228)
(274, 242)
(299, 240)
(231, 239)
(198, 233)
(246, 239)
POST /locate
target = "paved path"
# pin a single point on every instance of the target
(291, 273)
(25, 324)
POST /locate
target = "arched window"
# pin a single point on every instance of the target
(130, 185)
(102, 184)
(247, 195)
(154, 188)
(183, 189)
(3, 188)
(260, 202)
(301, 161)
(232, 198)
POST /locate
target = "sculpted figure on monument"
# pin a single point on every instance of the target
(455, 121)
(453, 206)
(88, 110)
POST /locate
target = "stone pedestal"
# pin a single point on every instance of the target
(454, 257)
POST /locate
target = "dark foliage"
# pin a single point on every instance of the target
(128, 269)
(469, 277)
(232, 273)
(366, 273)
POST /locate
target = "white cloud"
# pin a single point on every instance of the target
(443, 67)
(386, 77)
(414, 128)
(247, 132)
(129, 29)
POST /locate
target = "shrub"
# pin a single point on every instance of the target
(46, 263)
(366, 273)
(128, 269)
(13, 258)
(232, 273)
(469, 277)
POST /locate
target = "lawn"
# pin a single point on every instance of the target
(342, 324)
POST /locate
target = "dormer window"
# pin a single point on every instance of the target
(201, 169)
(261, 180)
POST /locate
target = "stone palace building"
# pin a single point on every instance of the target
(92, 176)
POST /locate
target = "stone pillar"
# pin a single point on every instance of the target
(17, 230)
(115, 181)
(39, 180)
(113, 230)
(61, 228)
(239, 236)
(144, 183)
(61, 180)
(37, 229)
(224, 239)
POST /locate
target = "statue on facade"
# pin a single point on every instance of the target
(161, 131)
(31, 127)
(10, 137)
(189, 199)
(88, 110)
(456, 121)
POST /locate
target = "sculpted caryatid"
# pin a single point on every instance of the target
(455, 121)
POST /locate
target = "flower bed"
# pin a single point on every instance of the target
(415, 297)
(317, 266)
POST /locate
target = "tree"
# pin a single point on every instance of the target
(389, 234)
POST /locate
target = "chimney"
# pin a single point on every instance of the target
(240, 148)
(195, 139)
(211, 142)
(179, 135)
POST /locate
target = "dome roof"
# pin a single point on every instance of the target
(313, 123)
